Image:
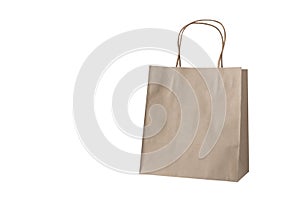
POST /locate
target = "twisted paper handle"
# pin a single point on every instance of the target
(204, 22)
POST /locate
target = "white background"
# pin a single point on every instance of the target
(42, 47)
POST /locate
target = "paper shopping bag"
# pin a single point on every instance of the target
(196, 120)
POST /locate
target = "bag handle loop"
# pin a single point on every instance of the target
(203, 22)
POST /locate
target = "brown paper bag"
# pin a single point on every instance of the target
(196, 120)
